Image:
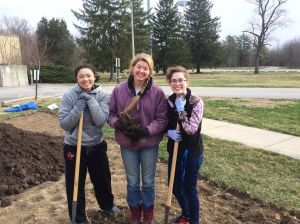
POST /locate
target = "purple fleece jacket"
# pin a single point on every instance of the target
(151, 110)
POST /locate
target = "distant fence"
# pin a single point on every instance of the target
(13, 75)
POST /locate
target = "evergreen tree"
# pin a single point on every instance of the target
(141, 27)
(202, 33)
(244, 46)
(100, 32)
(106, 33)
(141, 32)
(60, 47)
(169, 44)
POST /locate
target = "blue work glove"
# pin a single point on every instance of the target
(85, 96)
(81, 104)
(180, 103)
(175, 135)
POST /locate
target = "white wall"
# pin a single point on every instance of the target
(13, 75)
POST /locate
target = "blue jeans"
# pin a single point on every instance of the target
(138, 162)
(185, 185)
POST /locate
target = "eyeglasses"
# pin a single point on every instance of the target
(180, 81)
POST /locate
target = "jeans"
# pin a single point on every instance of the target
(140, 162)
(93, 160)
(185, 185)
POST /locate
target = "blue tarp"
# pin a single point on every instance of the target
(25, 106)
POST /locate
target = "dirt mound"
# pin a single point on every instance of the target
(27, 159)
(31, 161)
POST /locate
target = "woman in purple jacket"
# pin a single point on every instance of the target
(146, 103)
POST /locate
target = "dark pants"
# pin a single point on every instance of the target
(185, 185)
(95, 161)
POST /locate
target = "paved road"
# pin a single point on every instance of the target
(50, 90)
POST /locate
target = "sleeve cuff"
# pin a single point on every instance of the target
(183, 116)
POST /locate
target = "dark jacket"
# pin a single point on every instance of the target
(190, 121)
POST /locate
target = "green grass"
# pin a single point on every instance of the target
(230, 79)
(241, 79)
(267, 176)
(276, 115)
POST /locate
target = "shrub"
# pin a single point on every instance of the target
(56, 74)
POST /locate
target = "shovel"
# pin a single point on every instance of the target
(171, 182)
(77, 166)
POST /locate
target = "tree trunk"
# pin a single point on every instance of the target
(198, 68)
(256, 63)
(111, 76)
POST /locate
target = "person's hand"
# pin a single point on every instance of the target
(175, 135)
(119, 125)
(80, 104)
(136, 133)
(85, 96)
(180, 103)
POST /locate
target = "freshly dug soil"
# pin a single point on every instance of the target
(32, 183)
(28, 159)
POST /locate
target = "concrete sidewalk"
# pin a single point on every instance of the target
(285, 144)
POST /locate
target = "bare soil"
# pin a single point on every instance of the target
(32, 183)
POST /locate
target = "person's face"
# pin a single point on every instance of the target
(86, 79)
(179, 83)
(141, 71)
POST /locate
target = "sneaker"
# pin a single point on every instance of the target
(113, 210)
(180, 220)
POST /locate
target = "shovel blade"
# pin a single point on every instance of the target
(167, 211)
(74, 208)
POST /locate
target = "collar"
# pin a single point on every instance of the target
(130, 82)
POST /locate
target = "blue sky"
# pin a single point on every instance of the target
(234, 15)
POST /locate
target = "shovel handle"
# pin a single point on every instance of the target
(77, 167)
(174, 158)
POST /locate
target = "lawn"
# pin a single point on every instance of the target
(276, 115)
(230, 79)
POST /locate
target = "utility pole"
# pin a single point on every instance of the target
(132, 30)
(149, 34)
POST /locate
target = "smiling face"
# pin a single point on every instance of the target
(179, 83)
(85, 79)
(141, 71)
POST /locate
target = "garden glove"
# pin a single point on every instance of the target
(120, 126)
(175, 135)
(85, 96)
(180, 103)
(136, 133)
(80, 104)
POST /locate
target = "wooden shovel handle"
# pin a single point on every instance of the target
(172, 174)
(78, 153)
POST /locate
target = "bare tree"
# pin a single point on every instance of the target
(33, 53)
(270, 15)
(10, 49)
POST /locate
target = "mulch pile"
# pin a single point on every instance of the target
(27, 159)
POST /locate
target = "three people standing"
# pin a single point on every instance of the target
(140, 113)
